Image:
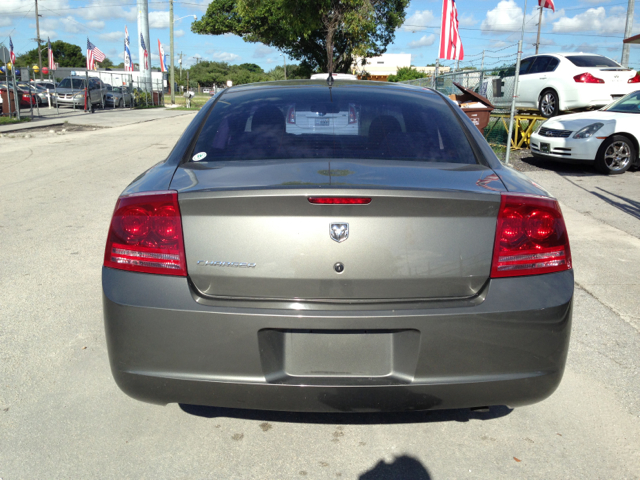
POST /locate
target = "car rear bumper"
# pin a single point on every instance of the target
(508, 347)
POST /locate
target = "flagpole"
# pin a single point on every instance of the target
(539, 27)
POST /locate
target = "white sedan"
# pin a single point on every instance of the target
(608, 138)
(561, 82)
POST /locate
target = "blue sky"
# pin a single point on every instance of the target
(491, 25)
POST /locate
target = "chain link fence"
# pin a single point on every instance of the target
(497, 85)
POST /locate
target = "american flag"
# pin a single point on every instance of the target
(450, 42)
(146, 54)
(93, 55)
(52, 65)
(13, 55)
(547, 4)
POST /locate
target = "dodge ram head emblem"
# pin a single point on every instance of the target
(339, 231)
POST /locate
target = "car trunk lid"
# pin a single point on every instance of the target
(426, 234)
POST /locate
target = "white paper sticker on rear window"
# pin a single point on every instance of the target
(199, 156)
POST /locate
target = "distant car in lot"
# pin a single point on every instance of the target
(119, 97)
(326, 118)
(560, 82)
(26, 99)
(606, 138)
(206, 90)
(71, 92)
(399, 268)
(336, 76)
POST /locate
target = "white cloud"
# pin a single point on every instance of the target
(178, 33)
(270, 60)
(96, 24)
(22, 7)
(419, 21)
(225, 56)
(507, 17)
(262, 51)
(159, 19)
(583, 47)
(5, 21)
(467, 21)
(112, 36)
(425, 41)
(593, 20)
(101, 9)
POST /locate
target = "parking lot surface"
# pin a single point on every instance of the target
(62, 416)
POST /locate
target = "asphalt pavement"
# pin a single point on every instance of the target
(62, 416)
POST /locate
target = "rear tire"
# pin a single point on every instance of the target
(616, 155)
(120, 103)
(549, 104)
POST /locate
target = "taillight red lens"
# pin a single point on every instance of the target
(531, 237)
(587, 78)
(340, 200)
(146, 235)
(635, 78)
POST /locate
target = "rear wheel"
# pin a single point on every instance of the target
(120, 104)
(548, 105)
(615, 155)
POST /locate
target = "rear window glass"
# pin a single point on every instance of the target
(316, 122)
(592, 61)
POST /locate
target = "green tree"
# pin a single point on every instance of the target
(65, 55)
(406, 73)
(321, 34)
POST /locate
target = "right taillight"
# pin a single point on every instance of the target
(635, 78)
(353, 114)
(146, 235)
(291, 115)
(587, 78)
(531, 237)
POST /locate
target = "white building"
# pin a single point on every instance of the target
(379, 68)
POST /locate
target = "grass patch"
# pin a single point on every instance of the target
(141, 107)
(12, 120)
(192, 109)
(198, 101)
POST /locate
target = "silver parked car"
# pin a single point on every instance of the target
(402, 268)
(71, 92)
(119, 97)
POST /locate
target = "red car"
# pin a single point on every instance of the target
(26, 99)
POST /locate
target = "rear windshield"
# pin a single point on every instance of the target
(316, 122)
(66, 83)
(592, 61)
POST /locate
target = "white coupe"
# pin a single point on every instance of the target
(608, 138)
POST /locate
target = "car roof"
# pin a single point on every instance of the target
(368, 84)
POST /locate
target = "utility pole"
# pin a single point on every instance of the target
(284, 59)
(38, 40)
(540, 26)
(171, 74)
(627, 33)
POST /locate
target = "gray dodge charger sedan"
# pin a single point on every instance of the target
(344, 247)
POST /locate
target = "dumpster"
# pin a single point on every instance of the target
(475, 106)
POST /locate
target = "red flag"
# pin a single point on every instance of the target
(547, 4)
(450, 42)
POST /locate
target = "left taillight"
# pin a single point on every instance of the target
(353, 114)
(531, 237)
(635, 78)
(145, 235)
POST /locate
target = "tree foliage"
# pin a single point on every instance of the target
(65, 55)
(406, 73)
(321, 34)
(217, 73)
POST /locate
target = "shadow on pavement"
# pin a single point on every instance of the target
(459, 415)
(560, 167)
(628, 206)
(403, 467)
